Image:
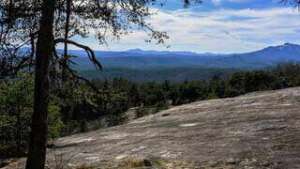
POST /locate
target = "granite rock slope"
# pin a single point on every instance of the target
(257, 130)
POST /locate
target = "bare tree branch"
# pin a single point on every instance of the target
(88, 50)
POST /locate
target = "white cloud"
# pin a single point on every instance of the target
(221, 31)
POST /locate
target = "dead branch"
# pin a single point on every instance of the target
(88, 50)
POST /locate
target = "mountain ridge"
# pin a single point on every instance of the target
(139, 59)
(139, 50)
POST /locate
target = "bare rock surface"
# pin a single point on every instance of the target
(257, 130)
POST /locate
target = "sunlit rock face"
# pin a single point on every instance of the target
(257, 130)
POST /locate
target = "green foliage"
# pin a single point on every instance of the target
(16, 107)
(55, 123)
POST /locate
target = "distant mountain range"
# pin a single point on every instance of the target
(137, 59)
(140, 65)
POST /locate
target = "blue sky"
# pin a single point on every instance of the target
(218, 26)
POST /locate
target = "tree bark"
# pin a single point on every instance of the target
(39, 127)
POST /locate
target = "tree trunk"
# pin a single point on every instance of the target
(39, 127)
